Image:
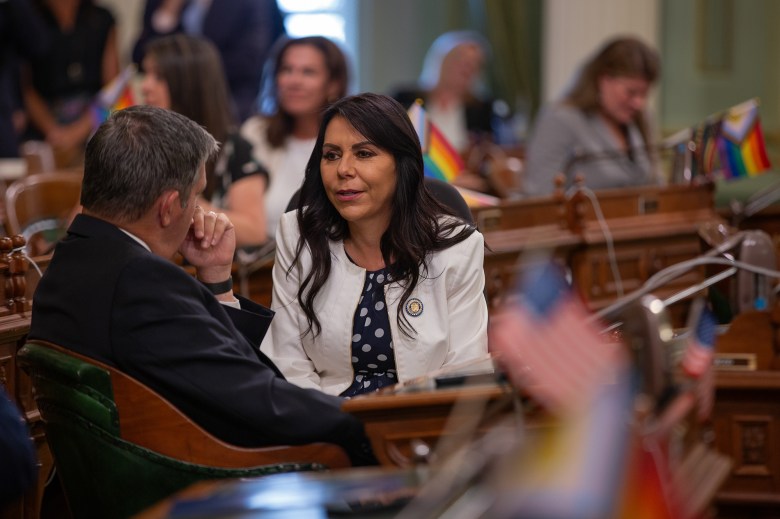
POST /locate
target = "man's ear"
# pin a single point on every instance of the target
(168, 204)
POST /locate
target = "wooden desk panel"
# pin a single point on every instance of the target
(614, 203)
(514, 214)
(643, 246)
(394, 421)
(256, 284)
(746, 420)
(505, 248)
(640, 201)
(13, 332)
(14, 327)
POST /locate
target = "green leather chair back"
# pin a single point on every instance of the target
(103, 475)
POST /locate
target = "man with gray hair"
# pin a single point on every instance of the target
(112, 293)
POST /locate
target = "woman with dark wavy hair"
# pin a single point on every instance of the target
(375, 282)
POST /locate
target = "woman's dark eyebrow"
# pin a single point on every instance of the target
(363, 143)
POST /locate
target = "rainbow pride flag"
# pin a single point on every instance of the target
(440, 159)
(741, 142)
(116, 95)
(647, 493)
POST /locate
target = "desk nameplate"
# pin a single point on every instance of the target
(735, 361)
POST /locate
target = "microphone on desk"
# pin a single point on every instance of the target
(715, 256)
(754, 291)
(643, 319)
(751, 290)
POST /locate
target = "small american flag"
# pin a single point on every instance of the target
(700, 349)
(545, 343)
(697, 361)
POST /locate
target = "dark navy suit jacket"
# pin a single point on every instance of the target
(107, 297)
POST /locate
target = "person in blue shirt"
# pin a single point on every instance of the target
(18, 464)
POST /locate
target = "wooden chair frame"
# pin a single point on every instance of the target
(148, 420)
(42, 195)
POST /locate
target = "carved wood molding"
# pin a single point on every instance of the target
(752, 445)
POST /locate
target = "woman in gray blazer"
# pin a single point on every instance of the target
(599, 130)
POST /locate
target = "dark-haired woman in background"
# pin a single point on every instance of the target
(374, 282)
(184, 74)
(243, 31)
(600, 129)
(304, 75)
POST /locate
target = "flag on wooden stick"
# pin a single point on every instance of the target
(741, 145)
(731, 143)
(116, 95)
(440, 159)
(547, 345)
(699, 350)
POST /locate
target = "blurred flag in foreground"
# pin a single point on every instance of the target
(700, 349)
(574, 468)
(547, 345)
(116, 95)
(440, 159)
(697, 360)
(607, 454)
(647, 492)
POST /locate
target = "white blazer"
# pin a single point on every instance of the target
(450, 329)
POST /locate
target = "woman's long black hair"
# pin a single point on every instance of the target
(414, 231)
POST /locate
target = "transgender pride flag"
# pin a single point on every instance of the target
(741, 142)
(440, 159)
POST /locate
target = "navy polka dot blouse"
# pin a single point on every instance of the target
(373, 361)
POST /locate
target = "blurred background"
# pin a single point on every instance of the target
(715, 53)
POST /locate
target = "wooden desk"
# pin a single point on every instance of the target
(394, 421)
(255, 283)
(644, 245)
(614, 203)
(746, 420)
(651, 228)
(504, 247)
(14, 326)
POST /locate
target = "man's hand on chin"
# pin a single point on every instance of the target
(209, 245)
